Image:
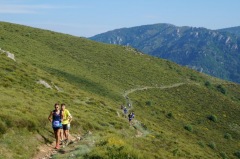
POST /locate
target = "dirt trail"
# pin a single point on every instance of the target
(151, 87)
(47, 150)
(140, 129)
(127, 92)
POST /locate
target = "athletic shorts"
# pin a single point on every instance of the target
(55, 129)
(66, 126)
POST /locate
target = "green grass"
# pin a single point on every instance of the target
(172, 121)
(191, 108)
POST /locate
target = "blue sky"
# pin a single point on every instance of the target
(90, 17)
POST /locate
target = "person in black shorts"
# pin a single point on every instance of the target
(55, 118)
(67, 118)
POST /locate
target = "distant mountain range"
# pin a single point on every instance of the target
(214, 52)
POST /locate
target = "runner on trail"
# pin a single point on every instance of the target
(130, 117)
(67, 118)
(55, 118)
(125, 112)
(133, 115)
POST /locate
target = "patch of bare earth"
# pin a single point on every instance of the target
(47, 150)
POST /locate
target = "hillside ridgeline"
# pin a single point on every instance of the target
(214, 52)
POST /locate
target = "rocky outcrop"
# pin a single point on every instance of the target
(8, 54)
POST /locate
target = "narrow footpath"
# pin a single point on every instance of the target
(47, 150)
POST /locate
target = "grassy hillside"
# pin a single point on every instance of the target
(180, 113)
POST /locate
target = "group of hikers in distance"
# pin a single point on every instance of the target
(60, 119)
(130, 116)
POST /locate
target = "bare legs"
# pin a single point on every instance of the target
(66, 134)
(57, 136)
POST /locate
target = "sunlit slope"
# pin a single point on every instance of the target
(87, 63)
(192, 117)
(179, 112)
(26, 104)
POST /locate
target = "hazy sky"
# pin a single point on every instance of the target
(90, 17)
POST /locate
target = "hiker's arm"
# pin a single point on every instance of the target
(61, 116)
(50, 117)
(70, 118)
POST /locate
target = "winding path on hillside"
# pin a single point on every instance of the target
(141, 131)
(47, 150)
(127, 92)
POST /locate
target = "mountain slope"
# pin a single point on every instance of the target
(179, 112)
(210, 51)
(233, 30)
